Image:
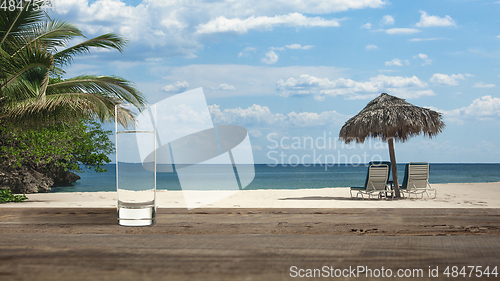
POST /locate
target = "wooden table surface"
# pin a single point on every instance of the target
(243, 244)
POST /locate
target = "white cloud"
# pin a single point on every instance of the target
(258, 115)
(367, 26)
(298, 46)
(484, 108)
(319, 88)
(169, 27)
(428, 21)
(177, 87)
(276, 7)
(387, 70)
(498, 36)
(387, 20)
(293, 47)
(397, 62)
(425, 58)
(449, 80)
(371, 47)
(248, 80)
(253, 133)
(428, 39)
(482, 85)
(411, 94)
(256, 147)
(488, 147)
(246, 52)
(225, 87)
(153, 59)
(402, 31)
(485, 53)
(153, 24)
(236, 25)
(270, 58)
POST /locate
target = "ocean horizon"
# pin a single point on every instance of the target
(300, 176)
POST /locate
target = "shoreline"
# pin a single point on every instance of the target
(450, 195)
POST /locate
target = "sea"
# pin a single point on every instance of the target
(298, 177)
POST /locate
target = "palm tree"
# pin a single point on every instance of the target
(33, 54)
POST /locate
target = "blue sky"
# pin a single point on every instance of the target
(292, 71)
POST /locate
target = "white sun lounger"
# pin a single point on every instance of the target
(416, 180)
(375, 183)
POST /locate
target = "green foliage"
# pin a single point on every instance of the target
(60, 146)
(46, 121)
(7, 196)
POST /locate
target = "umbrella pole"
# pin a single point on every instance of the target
(392, 155)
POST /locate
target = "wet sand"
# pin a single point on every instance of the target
(244, 243)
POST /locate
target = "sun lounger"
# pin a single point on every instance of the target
(416, 180)
(376, 181)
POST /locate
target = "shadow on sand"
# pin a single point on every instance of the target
(325, 198)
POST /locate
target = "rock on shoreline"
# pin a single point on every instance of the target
(24, 180)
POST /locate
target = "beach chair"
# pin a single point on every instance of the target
(416, 180)
(375, 182)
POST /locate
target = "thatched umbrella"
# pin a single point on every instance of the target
(388, 117)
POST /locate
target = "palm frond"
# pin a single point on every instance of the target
(14, 22)
(106, 41)
(43, 87)
(24, 87)
(109, 86)
(33, 57)
(73, 103)
(125, 116)
(50, 33)
(75, 106)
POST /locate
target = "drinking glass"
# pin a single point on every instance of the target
(136, 174)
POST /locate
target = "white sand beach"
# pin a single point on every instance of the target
(452, 195)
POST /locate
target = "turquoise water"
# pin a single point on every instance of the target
(299, 177)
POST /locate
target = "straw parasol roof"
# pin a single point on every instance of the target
(388, 118)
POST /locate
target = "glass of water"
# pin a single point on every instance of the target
(136, 173)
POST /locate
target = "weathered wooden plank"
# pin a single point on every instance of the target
(241, 244)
